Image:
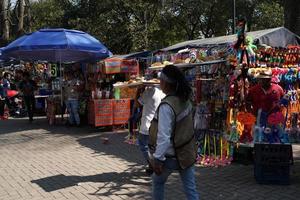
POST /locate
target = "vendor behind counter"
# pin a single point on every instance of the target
(265, 95)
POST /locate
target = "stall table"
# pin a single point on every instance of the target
(53, 108)
(108, 112)
(41, 103)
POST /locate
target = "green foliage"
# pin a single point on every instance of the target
(46, 13)
(132, 25)
(268, 15)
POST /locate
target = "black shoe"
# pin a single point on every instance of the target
(149, 171)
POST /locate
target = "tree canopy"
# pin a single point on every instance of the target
(132, 25)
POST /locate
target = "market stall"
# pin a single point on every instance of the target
(221, 121)
(110, 106)
(57, 46)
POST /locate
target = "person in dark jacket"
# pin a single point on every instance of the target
(27, 87)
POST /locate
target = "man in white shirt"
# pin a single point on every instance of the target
(150, 99)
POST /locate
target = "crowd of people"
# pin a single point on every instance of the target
(12, 87)
(18, 90)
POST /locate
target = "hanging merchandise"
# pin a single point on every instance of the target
(278, 57)
(212, 153)
(202, 117)
(247, 120)
(223, 122)
(210, 98)
(250, 48)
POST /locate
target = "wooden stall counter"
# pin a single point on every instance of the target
(108, 112)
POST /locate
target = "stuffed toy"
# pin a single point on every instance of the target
(282, 135)
(234, 136)
(246, 135)
(275, 134)
(250, 47)
(257, 130)
(267, 135)
(241, 25)
(276, 118)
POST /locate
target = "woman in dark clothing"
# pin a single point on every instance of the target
(28, 86)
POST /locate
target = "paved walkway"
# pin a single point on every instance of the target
(38, 161)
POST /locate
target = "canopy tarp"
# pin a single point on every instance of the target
(138, 55)
(116, 64)
(275, 37)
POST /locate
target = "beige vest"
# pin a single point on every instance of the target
(182, 137)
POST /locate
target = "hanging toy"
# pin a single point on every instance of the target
(257, 130)
(283, 136)
(248, 120)
(246, 134)
(275, 134)
(241, 25)
(276, 118)
(234, 136)
(250, 47)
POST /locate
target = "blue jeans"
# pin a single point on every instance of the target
(73, 108)
(143, 144)
(187, 177)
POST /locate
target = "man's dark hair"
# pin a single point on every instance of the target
(5, 75)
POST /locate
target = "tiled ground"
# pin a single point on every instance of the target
(38, 161)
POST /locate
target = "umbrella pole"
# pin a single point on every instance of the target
(61, 92)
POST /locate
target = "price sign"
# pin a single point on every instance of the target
(53, 69)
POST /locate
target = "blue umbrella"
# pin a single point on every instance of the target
(1, 56)
(57, 45)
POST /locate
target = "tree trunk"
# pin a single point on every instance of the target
(5, 21)
(1, 16)
(28, 14)
(21, 17)
(292, 15)
(146, 39)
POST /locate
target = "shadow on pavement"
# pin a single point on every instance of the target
(14, 125)
(116, 147)
(112, 182)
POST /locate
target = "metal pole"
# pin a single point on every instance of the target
(61, 87)
(233, 20)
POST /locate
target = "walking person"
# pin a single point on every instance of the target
(172, 145)
(150, 100)
(27, 87)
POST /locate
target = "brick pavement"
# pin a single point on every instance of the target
(38, 161)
